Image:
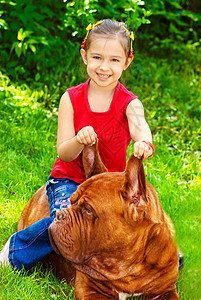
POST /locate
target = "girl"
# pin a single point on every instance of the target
(101, 107)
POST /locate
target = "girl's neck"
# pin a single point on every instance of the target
(100, 98)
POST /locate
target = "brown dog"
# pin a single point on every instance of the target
(116, 235)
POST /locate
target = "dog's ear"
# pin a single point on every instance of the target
(91, 161)
(134, 188)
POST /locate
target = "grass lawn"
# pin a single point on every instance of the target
(171, 94)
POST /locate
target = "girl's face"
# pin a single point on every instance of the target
(105, 59)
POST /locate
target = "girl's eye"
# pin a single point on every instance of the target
(96, 57)
(115, 60)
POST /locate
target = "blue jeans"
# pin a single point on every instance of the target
(29, 246)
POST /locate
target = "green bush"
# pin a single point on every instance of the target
(174, 23)
(40, 40)
(34, 38)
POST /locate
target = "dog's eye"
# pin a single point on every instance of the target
(87, 211)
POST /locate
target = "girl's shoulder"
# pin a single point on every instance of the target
(125, 92)
(78, 92)
(78, 87)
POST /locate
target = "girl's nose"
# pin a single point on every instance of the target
(104, 65)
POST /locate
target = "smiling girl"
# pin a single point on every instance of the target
(99, 108)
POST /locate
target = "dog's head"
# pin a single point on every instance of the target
(115, 225)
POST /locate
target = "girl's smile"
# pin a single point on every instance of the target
(103, 77)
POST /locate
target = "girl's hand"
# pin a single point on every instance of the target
(142, 149)
(86, 136)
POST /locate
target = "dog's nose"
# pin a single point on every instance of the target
(59, 214)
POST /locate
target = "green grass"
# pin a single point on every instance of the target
(170, 91)
(38, 285)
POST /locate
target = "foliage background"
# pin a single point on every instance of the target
(39, 46)
(40, 40)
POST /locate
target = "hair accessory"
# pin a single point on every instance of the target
(131, 35)
(89, 28)
(151, 146)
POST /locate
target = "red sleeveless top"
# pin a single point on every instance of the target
(111, 128)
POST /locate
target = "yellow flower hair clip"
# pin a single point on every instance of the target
(89, 28)
(131, 35)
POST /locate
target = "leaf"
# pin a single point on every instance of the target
(18, 49)
(33, 48)
(175, 4)
(9, 2)
(12, 64)
(14, 45)
(20, 35)
(37, 77)
(47, 11)
(146, 21)
(191, 15)
(139, 2)
(3, 24)
(32, 41)
(74, 33)
(24, 48)
(37, 16)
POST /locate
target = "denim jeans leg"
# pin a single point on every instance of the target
(59, 191)
(29, 246)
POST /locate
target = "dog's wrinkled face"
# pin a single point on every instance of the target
(106, 227)
(94, 233)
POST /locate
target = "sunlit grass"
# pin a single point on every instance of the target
(38, 284)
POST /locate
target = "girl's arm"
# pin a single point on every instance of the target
(69, 145)
(139, 129)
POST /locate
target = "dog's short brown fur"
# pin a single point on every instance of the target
(115, 235)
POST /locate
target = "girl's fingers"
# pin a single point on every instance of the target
(138, 151)
(87, 136)
(141, 149)
(146, 151)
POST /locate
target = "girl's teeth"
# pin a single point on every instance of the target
(104, 76)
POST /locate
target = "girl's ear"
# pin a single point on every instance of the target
(84, 56)
(128, 62)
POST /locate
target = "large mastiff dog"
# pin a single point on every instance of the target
(115, 239)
